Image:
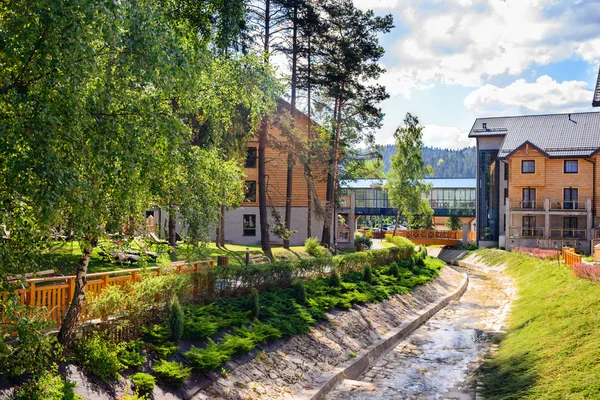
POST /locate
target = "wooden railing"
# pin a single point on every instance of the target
(56, 293)
(430, 234)
(536, 232)
(570, 257)
(568, 233)
(527, 204)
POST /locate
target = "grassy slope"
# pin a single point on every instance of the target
(552, 348)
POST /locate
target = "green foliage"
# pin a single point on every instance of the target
(334, 279)
(176, 319)
(155, 333)
(446, 163)
(101, 356)
(33, 350)
(394, 271)
(254, 303)
(49, 385)
(208, 358)
(129, 353)
(313, 247)
(164, 350)
(172, 373)
(368, 274)
(143, 383)
(364, 240)
(300, 293)
(454, 223)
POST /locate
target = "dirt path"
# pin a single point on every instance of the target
(438, 360)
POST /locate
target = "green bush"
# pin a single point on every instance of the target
(254, 303)
(368, 274)
(176, 319)
(393, 271)
(334, 279)
(172, 373)
(143, 383)
(129, 353)
(300, 293)
(313, 247)
(364, 240)
(101, 356)
(164, 350)
(155, 333)
(47, 386)
(208, 358)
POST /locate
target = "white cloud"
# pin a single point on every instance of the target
(466, 42)
(376, 4)
(543, 95)
(446, 137)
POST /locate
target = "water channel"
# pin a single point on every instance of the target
(439, 360)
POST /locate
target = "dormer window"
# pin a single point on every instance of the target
(571, 167)
(528, 167)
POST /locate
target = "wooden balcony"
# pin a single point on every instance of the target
(527, 233)
(577, 206)
(521, 205)
(573, 205)
(574, 234)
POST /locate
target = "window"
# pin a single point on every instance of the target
(249, 225)
(528, 198)
(571, 197)
(571, 167)
(528, 167)
(505, 195)
(505, 171)
(529, 229)
(251, 158)
(570, 227)
(250, 195)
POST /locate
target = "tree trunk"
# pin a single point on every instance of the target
(326, 237)
(307, 166)
(222, 227)
(331, 188)
(290, 161)
(67, 328)
(172, 229)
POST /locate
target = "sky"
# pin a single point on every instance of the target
(451, 61)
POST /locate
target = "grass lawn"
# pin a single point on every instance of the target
(551, 350)
(64, 256)
(386, 244)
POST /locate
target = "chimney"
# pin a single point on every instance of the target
(485, 123)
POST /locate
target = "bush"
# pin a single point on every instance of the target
(393, 271)
(543, 254)
(129, 353)
(100, 356)
(368, 274)
(364, 240)
(208, 358)
(587, 271)
(334, 279)
(254, 303)
(143, 383)
(47, 386)
(300, 293)
(314, 248)
(176, 319)
(369, 234)
(155, 333)
(172, 373)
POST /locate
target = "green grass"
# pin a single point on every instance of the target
(551, 350)
(64, 256)
(386, 244)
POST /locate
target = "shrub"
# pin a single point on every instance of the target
(544, 254)
(368, 274)
(143, 383)
(364, 240)
(164, 350)
(208, 358)
(314, 248)
(172, 373)
(369, 234)
(300, 293)
(129, 353)
(155, 333)
(334, 279)
(254, 303)
(47, 386)
(176, 319)
(393, 271)
(587, 271)
(100, 356)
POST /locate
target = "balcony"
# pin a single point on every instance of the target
(527, 205)
(575, 234)
(527, 233)
(573, 205)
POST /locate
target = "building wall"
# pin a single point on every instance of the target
(234, 226)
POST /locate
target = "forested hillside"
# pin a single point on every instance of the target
(446, 163)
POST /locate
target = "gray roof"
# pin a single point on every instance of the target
(557, 135)
(596, 99)
(444, 183)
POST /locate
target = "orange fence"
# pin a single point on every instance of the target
(426, 236)
(570, 257)
(56, 293)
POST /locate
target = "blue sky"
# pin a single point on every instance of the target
(451, 61)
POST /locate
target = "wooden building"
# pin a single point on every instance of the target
(537, 180)
(242, 225)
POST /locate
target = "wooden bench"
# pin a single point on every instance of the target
(259, 259)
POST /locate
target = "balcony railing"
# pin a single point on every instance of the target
(452, 204)
(568, 233)
(537, 232)
(536, 205)
(568, 205)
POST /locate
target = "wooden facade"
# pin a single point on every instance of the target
(276, 169)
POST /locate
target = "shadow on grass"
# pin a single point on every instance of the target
(508, 378)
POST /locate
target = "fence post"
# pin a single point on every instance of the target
(134, 276)
(32, 293)
(71, 290)
(105, 281)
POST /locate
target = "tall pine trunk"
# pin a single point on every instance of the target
(67, 328)
(172, 224)
(290, 161)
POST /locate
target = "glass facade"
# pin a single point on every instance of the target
(489, 187)
(455, 201)
(371, 198)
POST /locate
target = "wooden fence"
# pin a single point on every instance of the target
(427, 236)
(570, 257)
(56, 293)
